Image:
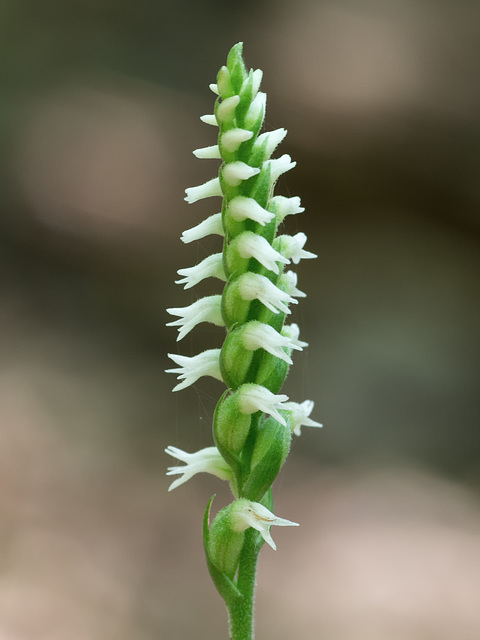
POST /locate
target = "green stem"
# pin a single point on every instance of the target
(241, 609)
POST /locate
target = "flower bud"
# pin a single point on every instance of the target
(225, 544)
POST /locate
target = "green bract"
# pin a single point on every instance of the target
(253, 422)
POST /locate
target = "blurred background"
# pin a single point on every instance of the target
(99, 107)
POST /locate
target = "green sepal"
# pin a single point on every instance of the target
(225, 586)
(235, 360)
(231, 227)
(263, 187)
(235, 309)
(272, 444)
(224, 544)
(246, 94)
(224, 84)
(230, 428)
(271, 372)
(236, 67)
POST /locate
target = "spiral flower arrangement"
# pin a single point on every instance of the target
(253, 422)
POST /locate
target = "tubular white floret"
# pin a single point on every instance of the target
(257, 335)
(292, 247)
(245, 513)
(251, 245)
(292, 331)
(288, 279)
(254, 286)
(209, 118)
(254, 397)
(235, 172)
(206, 190)
(241, 208)
(211, 226)
(232, 139)
(210, 267)
(208, 153)
(206, 309)
(272, 138)
(279, 166)
(299, 415)
(206, 460)
(191, 369)
(226, 108)
(286, 206)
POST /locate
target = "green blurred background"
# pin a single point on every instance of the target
(99, 114)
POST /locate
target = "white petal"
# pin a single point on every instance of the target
(210, 267)
(206, 190)
(206, 460)
(286, 206)
(191, 369)
(257, 335)
(254, 397)
(232, 139)
(214, 88)
(206, 309)
(226, 108)
(251, 245)
(254, 286)
(288, 280)
(235, 172)
(300, 413)
(257, 80)
(212, 152)
(209, 119)
(292, 247)
(281, 165)
(292, 331)
(272, 139)
(211, 226)
(241, 208)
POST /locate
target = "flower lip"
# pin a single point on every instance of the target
(206, 460)
(245, 513)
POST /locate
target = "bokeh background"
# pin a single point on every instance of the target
(99, 114)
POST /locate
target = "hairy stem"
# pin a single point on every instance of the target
(241, 609)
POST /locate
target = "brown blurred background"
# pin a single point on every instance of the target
(99, 115)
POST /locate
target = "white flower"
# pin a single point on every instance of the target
(241, 208)
(233, 138)
(210, 267)
(292, 331)
(278, 166)
(191, 369)
(211, 226)
(206, 190)
(226, 108)
(235, 172)
(212, 152)
(254, 286)
(251, 245)
(245, 513)
(299, 415)
(214, 88)
(209, 119)
(254, 397)
(206, 309)
(256, 335)
(292, 247)
(206, 460)
(289, 281)
(286, 206)
(271, 139)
